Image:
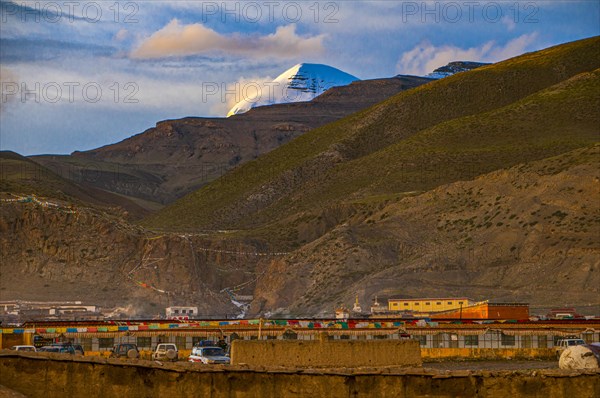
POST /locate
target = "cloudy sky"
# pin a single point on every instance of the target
(78, 75)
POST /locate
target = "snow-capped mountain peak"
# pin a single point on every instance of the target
(302, 82)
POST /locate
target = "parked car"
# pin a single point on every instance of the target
(209, 355)
(125, 351)
(166, 351)
(76, 347)
(23, 348)
(58, 348)
(563, 344)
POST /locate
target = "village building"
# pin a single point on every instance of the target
(428, 305)
(181, 312)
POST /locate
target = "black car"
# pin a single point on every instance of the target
(126, 350)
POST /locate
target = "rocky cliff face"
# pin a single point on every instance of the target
(78, 253)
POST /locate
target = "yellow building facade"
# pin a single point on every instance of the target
(428, 304)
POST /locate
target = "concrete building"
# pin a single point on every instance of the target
(181, 312)
(8, 307)
(487, 310)
(457, 308)
(563, 313)
(455, 338)
(428, 305)
(19, 311)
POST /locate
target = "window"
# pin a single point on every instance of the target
(575, 342)
(460, 303)
(526, 341)
(453, 341)
(180, 341)
(422, 340)
(190, 312)
(86, 343)
(507, 340)
(416, 303)
(105, 342)
(144, 342)
(438, 303)
(542, 341)
(449, 302)
(196, 340)
(183, 311)
(406, 304)
(290, 335)
(471, 340)
(428, 303)
(438, 340)
(175, 311)
(344, 337)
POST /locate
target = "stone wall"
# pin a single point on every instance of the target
(50, 376)
(488, 353)
(326, 353)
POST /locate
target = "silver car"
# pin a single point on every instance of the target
(209, 355)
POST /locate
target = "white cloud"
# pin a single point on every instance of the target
(121, 35)
(176, 39)
(509, 22)
(425, 57)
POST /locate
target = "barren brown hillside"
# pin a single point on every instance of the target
(528, 233)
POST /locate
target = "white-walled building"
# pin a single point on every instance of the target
(181, 312)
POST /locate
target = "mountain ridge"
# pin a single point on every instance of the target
(178, 156)
(310, 156)
(455, 67)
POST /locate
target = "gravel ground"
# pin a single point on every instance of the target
(491, 365)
